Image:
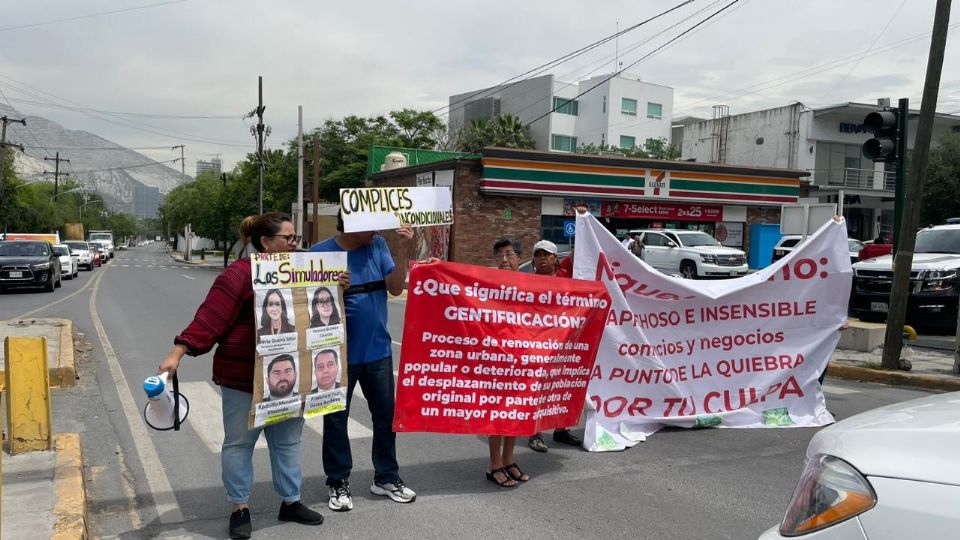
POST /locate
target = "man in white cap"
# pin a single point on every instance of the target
(545, 263)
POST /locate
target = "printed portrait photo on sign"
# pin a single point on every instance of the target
(275, 314)
(324, 309)
(280, 377)
(326, 369)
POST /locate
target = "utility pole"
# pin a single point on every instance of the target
(183, 171)
(56, 172)
(223, 216)
(260, 132)
(315, 195)
(3, 145)
(913, 190)
(298, 215)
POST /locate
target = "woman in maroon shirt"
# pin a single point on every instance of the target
(226, 319)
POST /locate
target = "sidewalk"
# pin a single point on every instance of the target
(931, 369)
(178, 256)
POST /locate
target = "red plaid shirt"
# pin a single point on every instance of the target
(225, 318)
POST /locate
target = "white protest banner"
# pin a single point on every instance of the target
(742, 352)
(376, 209)
(301, 337)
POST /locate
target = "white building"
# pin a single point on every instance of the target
(826, 141)
(623, 111)
(214, 165)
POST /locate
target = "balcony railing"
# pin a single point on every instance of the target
(854, 178)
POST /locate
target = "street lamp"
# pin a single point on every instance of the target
(81, 188)
(86, 203)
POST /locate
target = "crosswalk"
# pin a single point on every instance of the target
(206, 417)
(831, 389)
(177, 266)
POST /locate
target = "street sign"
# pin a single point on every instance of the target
(569, 229)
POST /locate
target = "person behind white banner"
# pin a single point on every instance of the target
(502, 469)
(545, 263)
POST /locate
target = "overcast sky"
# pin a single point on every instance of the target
(202, 58)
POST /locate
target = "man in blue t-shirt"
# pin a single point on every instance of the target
(373, 273)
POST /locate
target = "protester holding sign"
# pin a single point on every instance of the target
(373, 272)
(226, 318)
(545, 263)
(503, 469)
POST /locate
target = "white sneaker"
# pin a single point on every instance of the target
(340, 499)
(396, 490)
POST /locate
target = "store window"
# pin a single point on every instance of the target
(551, 228)
(566, 106)
(654, 111)
(563, 143)
(628, 106)
(627, 141)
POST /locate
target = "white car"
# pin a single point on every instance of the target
(69, 263)
(890, 473)
(82, 251)
(789, 242)
(691, 254)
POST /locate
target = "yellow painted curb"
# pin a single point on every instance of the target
(65, 372)
(71, 508)
(894, 378)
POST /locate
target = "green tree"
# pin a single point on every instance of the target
(652, 149)
(942, 183)
(505, 131)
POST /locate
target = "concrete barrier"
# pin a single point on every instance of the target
(29, 422)
(862, 336)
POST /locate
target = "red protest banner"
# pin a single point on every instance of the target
(493, 352)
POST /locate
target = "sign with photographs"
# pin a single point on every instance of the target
(301, 336)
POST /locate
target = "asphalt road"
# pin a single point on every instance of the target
(717, 483)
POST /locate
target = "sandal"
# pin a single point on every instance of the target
(519, 476)
(507, 482)
(536, 444)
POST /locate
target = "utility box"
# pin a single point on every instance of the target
(763, 236)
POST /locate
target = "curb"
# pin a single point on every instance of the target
(893, 378)
(181, 260)
(64, 373)
(70, 511)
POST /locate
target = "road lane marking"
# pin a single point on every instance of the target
(64, 299)
(839, 390)
(206, 418)
(188, 277)
(168, 510)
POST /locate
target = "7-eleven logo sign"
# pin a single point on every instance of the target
(661, 181)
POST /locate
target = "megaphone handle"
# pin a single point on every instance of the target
(176, 403)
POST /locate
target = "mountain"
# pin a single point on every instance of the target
(113, 171)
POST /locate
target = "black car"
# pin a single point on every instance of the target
(29, 263)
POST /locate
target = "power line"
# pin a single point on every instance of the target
(128, 167)
(543, 67)
(131, 114)
(91, 15)
(651, 53)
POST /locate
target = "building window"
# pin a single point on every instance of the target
(654, 110)
(628, 106)
(563, 143)
(627, 141)
(551, 228)
(565, 106)
(603, 105)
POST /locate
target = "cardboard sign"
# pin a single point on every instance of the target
(377, 209)
(301, 336)
(496, 352)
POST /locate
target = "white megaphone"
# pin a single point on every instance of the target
(159, 411)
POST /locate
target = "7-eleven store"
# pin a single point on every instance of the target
(529, 195)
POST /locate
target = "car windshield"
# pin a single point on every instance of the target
(100, 236)
(23, 249)
(938, 241)
(697, 239)
(61, 250)
(790, 242)
(80, 246)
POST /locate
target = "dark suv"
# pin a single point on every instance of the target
(29, 263)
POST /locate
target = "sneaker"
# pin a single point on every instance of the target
(536, 444)
(340, 499)
(299, 513)
(396, 490)
(566, 437)
(240, 524)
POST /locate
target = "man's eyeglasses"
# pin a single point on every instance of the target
(290, 238)
(505, 255)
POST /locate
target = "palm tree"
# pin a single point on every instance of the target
(506, 131)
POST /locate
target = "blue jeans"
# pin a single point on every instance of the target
(236, 459)
(376, 381)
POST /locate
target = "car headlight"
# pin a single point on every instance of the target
(712, 259)
(830, 491)
(939, 280)
(41, 266)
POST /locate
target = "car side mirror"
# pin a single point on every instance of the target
(671, 244)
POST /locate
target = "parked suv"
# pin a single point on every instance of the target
(789, 242)
(934, 283)
(26, 263)
(692, 254)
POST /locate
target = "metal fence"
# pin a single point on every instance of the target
(852, 178)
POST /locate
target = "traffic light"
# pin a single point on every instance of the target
(884, 126)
